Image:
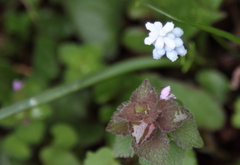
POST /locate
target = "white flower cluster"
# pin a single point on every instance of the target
(166, 40)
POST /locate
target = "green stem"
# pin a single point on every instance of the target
(60, 91)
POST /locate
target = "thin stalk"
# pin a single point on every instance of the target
(62, 90)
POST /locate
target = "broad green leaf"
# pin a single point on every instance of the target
(31, 133)
(133, 38)
(105, 113)
(54, 25)
(176, 16)
(80, 60)
(86, 137)
(155, 150)
(187, 135)
(54, 156)
(235, 120)
(123, 147)
(22, 19)
(143, 161)
(207, 113)
(212, 4)
(103, 156)
(102, 29)
(190, 158)
(176, 155)
(215, 83)
(108, 90)
(44, 59)
(76, 105)
(15, 147)
(64, 136)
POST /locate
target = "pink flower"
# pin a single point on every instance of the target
(17, 85)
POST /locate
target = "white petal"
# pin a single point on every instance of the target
(181, 50)
(178, 32)
(158, 25)
(156, 55)
(168, 27)
(149, 40)
(172, 55)
(159, 43)
(169, 42)
(178, 42)
(162, 33)
(170, 35)
(151, 27)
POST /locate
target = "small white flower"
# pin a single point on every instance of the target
(166, 40)
(166, 95)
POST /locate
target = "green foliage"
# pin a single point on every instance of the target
(54, 156)
(103, 156)
(80, 60)
(215, 83)
(102, 29)
(45, 58)
(176, 155)
(133, 38)
(208, 114)
(122, 147)
(64, 136)
(16, 148)
(190, 158)
(31, 133)
(235, 120)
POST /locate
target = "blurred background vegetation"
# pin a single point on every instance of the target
(46, 43)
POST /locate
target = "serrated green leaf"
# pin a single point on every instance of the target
(16, 148)
(31, 133)
(176, 155)
(123, 147)
(155, 150)
(102, 29)
(143, 161)
(65, 136)
(103, 156)
(175, 16)
(187, 135)
(190, 158)
(215, 83)
(53, 156)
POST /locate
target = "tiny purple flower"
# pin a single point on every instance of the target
(17, 85)
(166, 95)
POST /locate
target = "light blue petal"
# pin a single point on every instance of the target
(169, 42)
(181, 50)
(178, 32)
(159, 43)
(161, 52)
(171, 35)
(178, 42)
(156, 55)
(172, 55)
(167, 49)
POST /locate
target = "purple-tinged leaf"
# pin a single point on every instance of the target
(172, 115)
(145, 92)
(123, 147)
(142, 132)
(176, 154)
(128, 112)
(187, 135)
(118, 126)
(154, 150)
